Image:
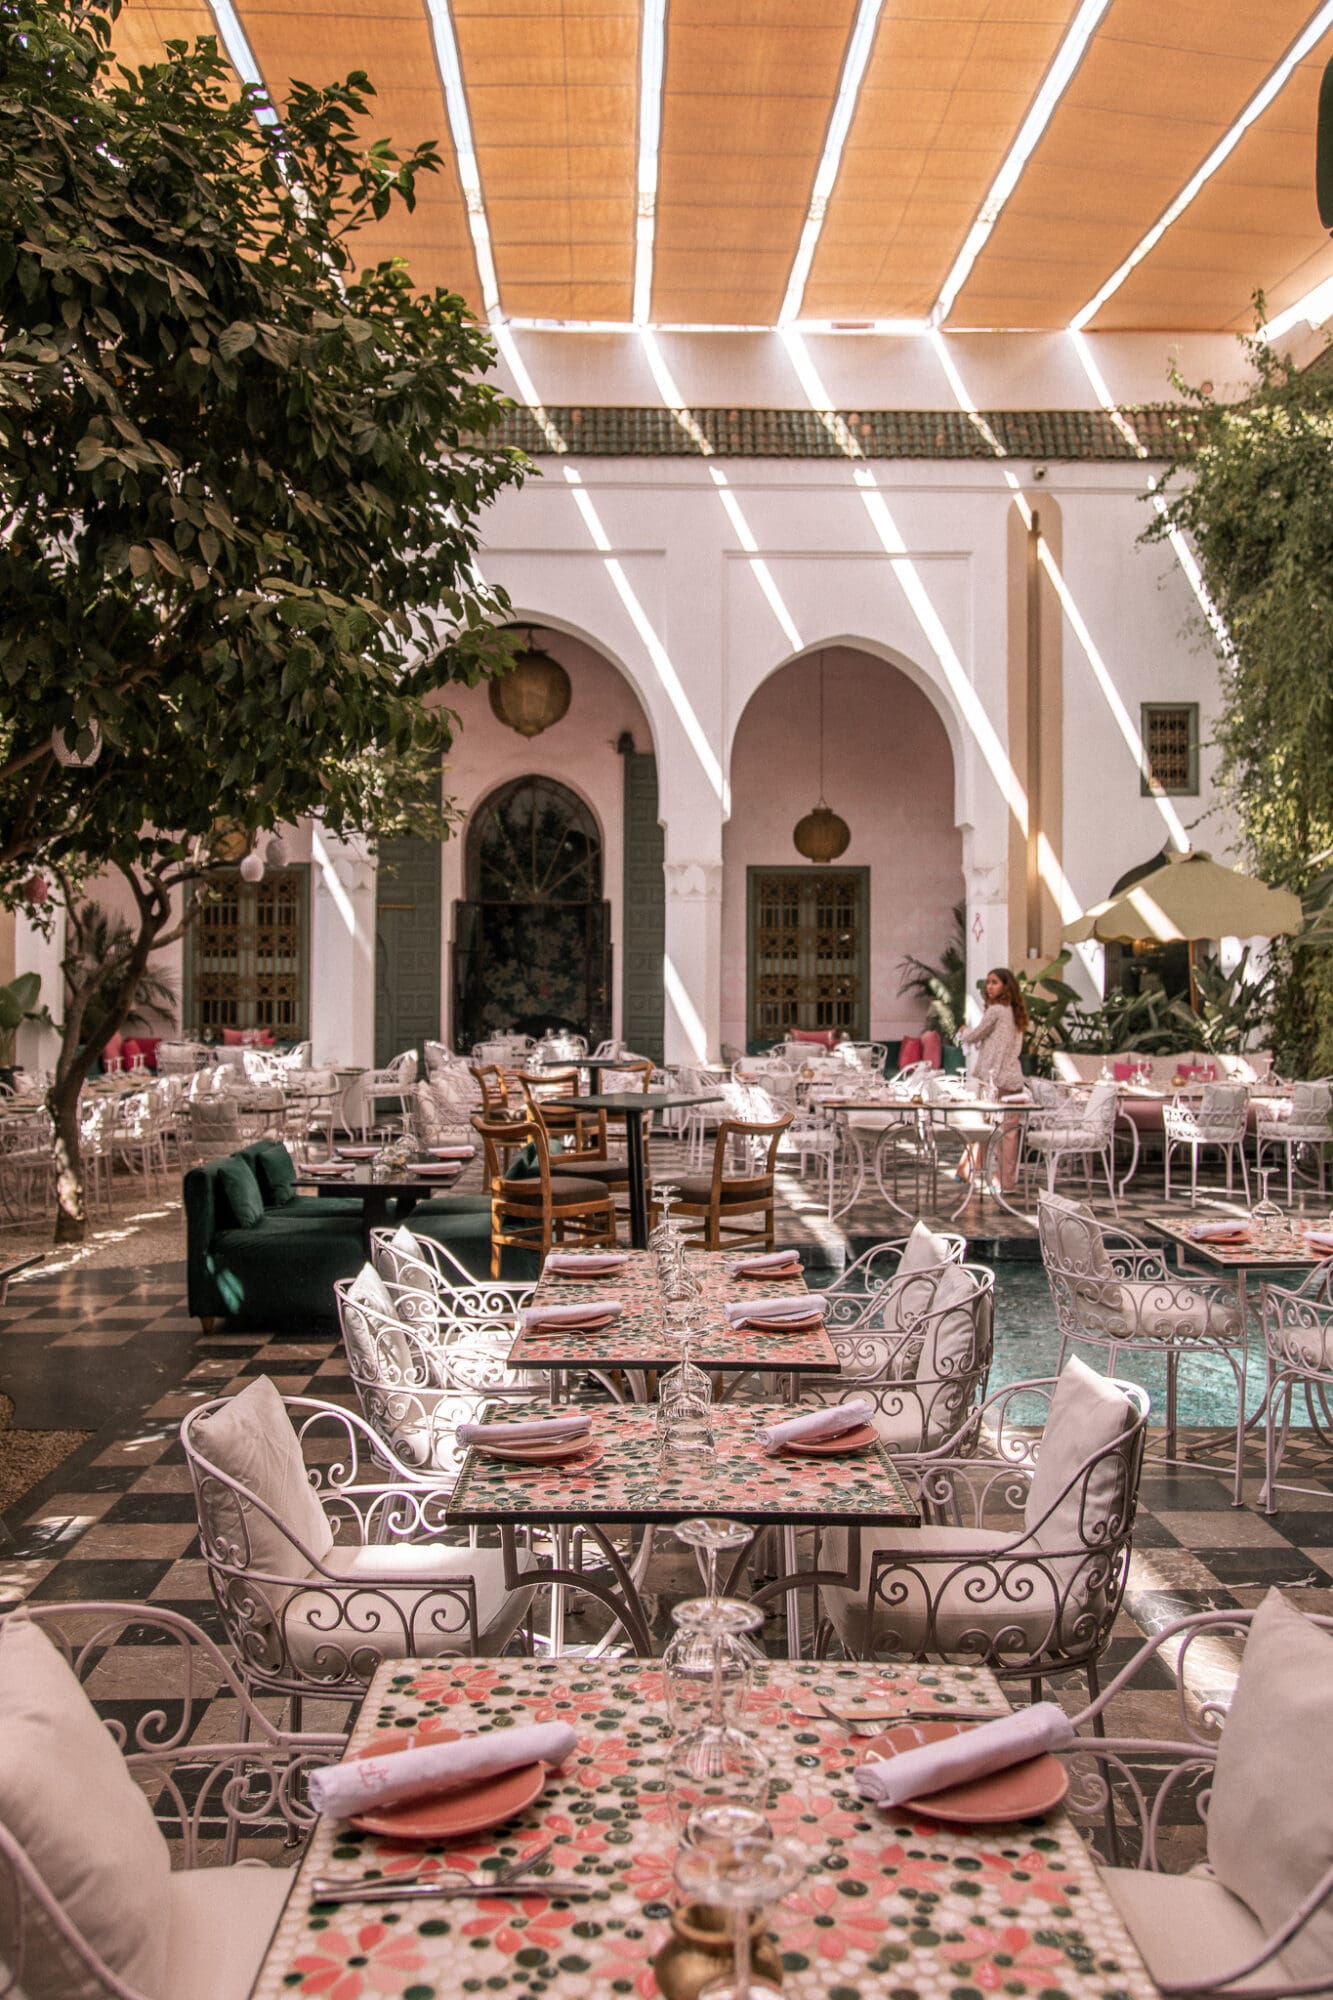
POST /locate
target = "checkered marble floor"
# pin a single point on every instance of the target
(114, 1352)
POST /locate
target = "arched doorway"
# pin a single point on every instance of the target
(533, 938)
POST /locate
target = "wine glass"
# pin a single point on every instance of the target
(685, 1438)
(709, 1663)
(712, 1534)
(683, 1382)
(1266, 1219)
(665, 1230)
(750, 1873)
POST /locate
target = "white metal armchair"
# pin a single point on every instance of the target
(320, 1575)
(1111, 1291)
(1306, 1123)
(1082, 1132)
(1037, 1595)
(90, 1902)
(1217, 1119)
(1250, 1765)
(395, 1082)
(1298, 1354)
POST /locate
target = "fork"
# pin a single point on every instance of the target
(876, 1718)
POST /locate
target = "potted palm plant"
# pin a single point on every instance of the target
(18, 1001)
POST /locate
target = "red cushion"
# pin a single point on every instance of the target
(1123, 1072)
(146, 1046)
(825, 1037)
(932, 1048)
(910, 1051)
(232, 1038)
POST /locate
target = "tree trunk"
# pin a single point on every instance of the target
(62, 1102)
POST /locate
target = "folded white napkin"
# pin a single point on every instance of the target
(568, 1315)
(801, 1307)
(992, 1746)
(764, 1260)
(1208, 1232)
(533, 1430)
(1319, 1239)
(366, 1783)
(818, 1423)
(574, 1261)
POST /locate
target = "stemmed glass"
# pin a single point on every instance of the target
(665, 1230)
(708, 1664)
(712, 1534)
(740, 1875)
(1266, 1218)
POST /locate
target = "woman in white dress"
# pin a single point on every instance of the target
(997, 1044)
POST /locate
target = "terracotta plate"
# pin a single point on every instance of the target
(774, 1271)
(859, 1439)
(436, 1170)
(589, 1270)
(1021, 1792)
(357, 1152)
(805, 1325)
(541, 1454)
(449, 1815)
(595, 1318)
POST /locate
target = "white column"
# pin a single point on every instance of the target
(693, 960)
(342, 950)
(37, 1047)
(987, 926)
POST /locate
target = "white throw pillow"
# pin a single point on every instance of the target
(922, 1251)
(955, 1327)
(1270, 1818)
(251, 1439)
(372, 1331)
(1072, 1230)
(1087, 1414)
(68, 1800)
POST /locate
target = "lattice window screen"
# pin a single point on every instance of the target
(808, 951)
(1171, 747)
(248, 957)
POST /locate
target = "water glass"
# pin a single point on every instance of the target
(715, 1766)
(749, 1873)
(686, 1441)
(709, 1662)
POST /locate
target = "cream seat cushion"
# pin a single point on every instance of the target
(330, 1632)
(1142, 1308)
(1189, 1927)
(68, 1800)
(1270, 1818)
(251, 1439)
(970, 1605)
(220, 1921)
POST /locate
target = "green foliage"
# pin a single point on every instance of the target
(99, 950)
(17, 1003)
(1252, 494)
(943, 987)
(240, 479)
(1233, 1008)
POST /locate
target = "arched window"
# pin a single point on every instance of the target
(532, 943)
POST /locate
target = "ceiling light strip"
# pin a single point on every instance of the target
(859, 44)
(240, 55)
(1314, 309)
(1053, 87)
(652, 61)
(1226, 145)
(469, 174)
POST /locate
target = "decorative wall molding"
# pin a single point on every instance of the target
(693, 881)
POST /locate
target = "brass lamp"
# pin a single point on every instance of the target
(823, 834)
(533, 695)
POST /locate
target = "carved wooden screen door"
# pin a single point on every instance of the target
(809, 951)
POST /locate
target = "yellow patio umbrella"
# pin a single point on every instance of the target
(1190, 896)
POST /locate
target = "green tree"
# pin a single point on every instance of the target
(1251, 489)
(240, 484)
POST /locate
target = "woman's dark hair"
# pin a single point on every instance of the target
(1010, 994)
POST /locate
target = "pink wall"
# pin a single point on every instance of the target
(888, 770)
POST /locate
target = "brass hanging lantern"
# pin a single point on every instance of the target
(823, 834)
(533, 695)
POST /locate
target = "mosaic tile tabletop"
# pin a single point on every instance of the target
(636, 1339)
(1291, 1250)
(621, 1477)
(891, 1905)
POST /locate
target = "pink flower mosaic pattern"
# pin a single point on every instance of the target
(891, 1904)
(636, 1339)
(622, 1477)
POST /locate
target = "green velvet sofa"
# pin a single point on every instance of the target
(278, 1272)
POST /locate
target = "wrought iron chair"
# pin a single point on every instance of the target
(1036, 1596)
(1083, 1132)
(394, 1081)
(725, 1204)
(535, 1212)
(1218, 1119)
(1298, 1354)
(90, 1902)
(1198, 1932)
(319, 1575)
(1111, 1291)
(1308, 1121)
(880, 1287)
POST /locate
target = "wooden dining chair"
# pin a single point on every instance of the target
(532, 1208)
(735, 1208)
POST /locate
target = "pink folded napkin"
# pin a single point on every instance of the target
(533, 1430)
(585, 1262)
(764, 1260)
(364, 1784)
(801, 1307)
(1320, 1239)
(570, 1315)
(954, 1760)
(818, 1424)
(452, 1152)
(327, 1170)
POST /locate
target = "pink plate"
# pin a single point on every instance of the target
(436, 1170)
(805, 1325)
(541, 1454)
(324, 1170)
(357, 1152)
(594, 1319)
(859, 1439)
(773, 1271)
(1022, 1792)
(449, 1815)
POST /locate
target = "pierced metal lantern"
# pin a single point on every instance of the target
(252, 868)
(76, 746)
(533, 696)
(822, 835)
